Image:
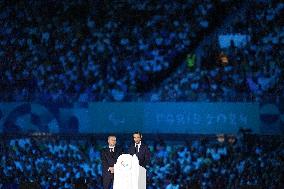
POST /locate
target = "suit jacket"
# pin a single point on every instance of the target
(109, 158)
(143, 155)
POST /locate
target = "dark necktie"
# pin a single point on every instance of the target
(136, 148)
(111, 149)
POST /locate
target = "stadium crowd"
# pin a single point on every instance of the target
(255, 162)
(251, 71)
(141, 50)
(122, 51)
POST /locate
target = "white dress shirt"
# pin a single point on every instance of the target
(139, 144)
(111, 148)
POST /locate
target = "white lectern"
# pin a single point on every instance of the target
(128, 174)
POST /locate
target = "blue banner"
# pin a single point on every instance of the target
(105, 117)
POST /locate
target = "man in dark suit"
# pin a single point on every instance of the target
(109, 157)
(140, 149)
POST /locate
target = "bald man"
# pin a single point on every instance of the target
(109, 157)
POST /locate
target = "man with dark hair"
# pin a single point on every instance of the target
(140, 149)
(109, 157)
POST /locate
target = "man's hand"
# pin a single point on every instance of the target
(111, 169)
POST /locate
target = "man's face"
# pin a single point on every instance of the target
(136, 138)
(111, 141)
